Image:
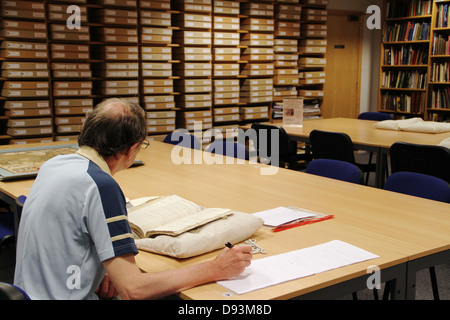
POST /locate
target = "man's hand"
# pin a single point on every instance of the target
(232, 262)
(106, 289)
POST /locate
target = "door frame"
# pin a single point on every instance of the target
(361, 16)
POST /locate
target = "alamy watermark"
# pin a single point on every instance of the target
(74, 20)
(74, 280)
(267, 144)
(374, 20)
(374, 280)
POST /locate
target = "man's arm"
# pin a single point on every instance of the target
(131, 283)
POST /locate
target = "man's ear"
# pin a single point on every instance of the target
(132, 149)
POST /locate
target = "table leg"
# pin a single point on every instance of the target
(422, 263)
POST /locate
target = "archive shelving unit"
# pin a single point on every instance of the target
(54, 72)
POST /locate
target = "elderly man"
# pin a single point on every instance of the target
(74, 238)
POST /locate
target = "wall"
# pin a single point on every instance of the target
(371, 52)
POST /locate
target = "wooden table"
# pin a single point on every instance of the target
(364, 137)
(398, 228)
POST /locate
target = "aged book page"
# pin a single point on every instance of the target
(171, 215)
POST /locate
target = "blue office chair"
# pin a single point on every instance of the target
(286, 149)
(427, 159)
(335, 169)
(375, 116)
(228, 148)
(335, 146)
(419, 185)
(11, 292)
(424, 186)
(183, 139)
(7, 230)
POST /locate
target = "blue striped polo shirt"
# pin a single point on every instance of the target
(74, 218)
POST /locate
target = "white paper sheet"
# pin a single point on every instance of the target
(296, 264)
(281, 215)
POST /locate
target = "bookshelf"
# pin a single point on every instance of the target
(414, 74)
(220, 62)
(438, 108)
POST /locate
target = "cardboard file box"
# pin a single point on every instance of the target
(160, 122)
(316, 2)
(25, 5)
(226, 110)
(23, 25)
(19, 13)
(33, 122)
(24, 74)
(85, 102)
(28, 104)
(252, 116)
(312, 62)
(155, 4)
(29, 131)
(160, 114)
(311, 93)
(23, 112)
(156, 18)
(226, 7)
(155, 102)
(11, 93)
(69, 120)
(226, 117)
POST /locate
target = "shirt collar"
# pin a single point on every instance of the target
(93, 155)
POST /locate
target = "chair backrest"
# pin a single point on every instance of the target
(375, 116)
(12, 292)
(331, 145)
(426, 159)
(183, 139)
(419, 185)
(263, 143)
(7, 230)
(228, 148)
(335, 169)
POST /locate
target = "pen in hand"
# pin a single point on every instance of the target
(229, 245)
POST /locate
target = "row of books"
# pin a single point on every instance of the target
(406, 55)
(439, 117)
(398, 9)
(407, 31)
(404, 79)
(440, 45)
(406, 102)
(440, 72)
(442, 18)
(440, 98)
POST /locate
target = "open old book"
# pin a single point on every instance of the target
(170, 215)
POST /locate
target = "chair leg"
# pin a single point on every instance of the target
(375, 294)
(434, 284)
(368, 171)
(387, 290)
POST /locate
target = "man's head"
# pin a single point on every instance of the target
(113, 127)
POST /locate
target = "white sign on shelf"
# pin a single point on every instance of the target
(293, 111)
